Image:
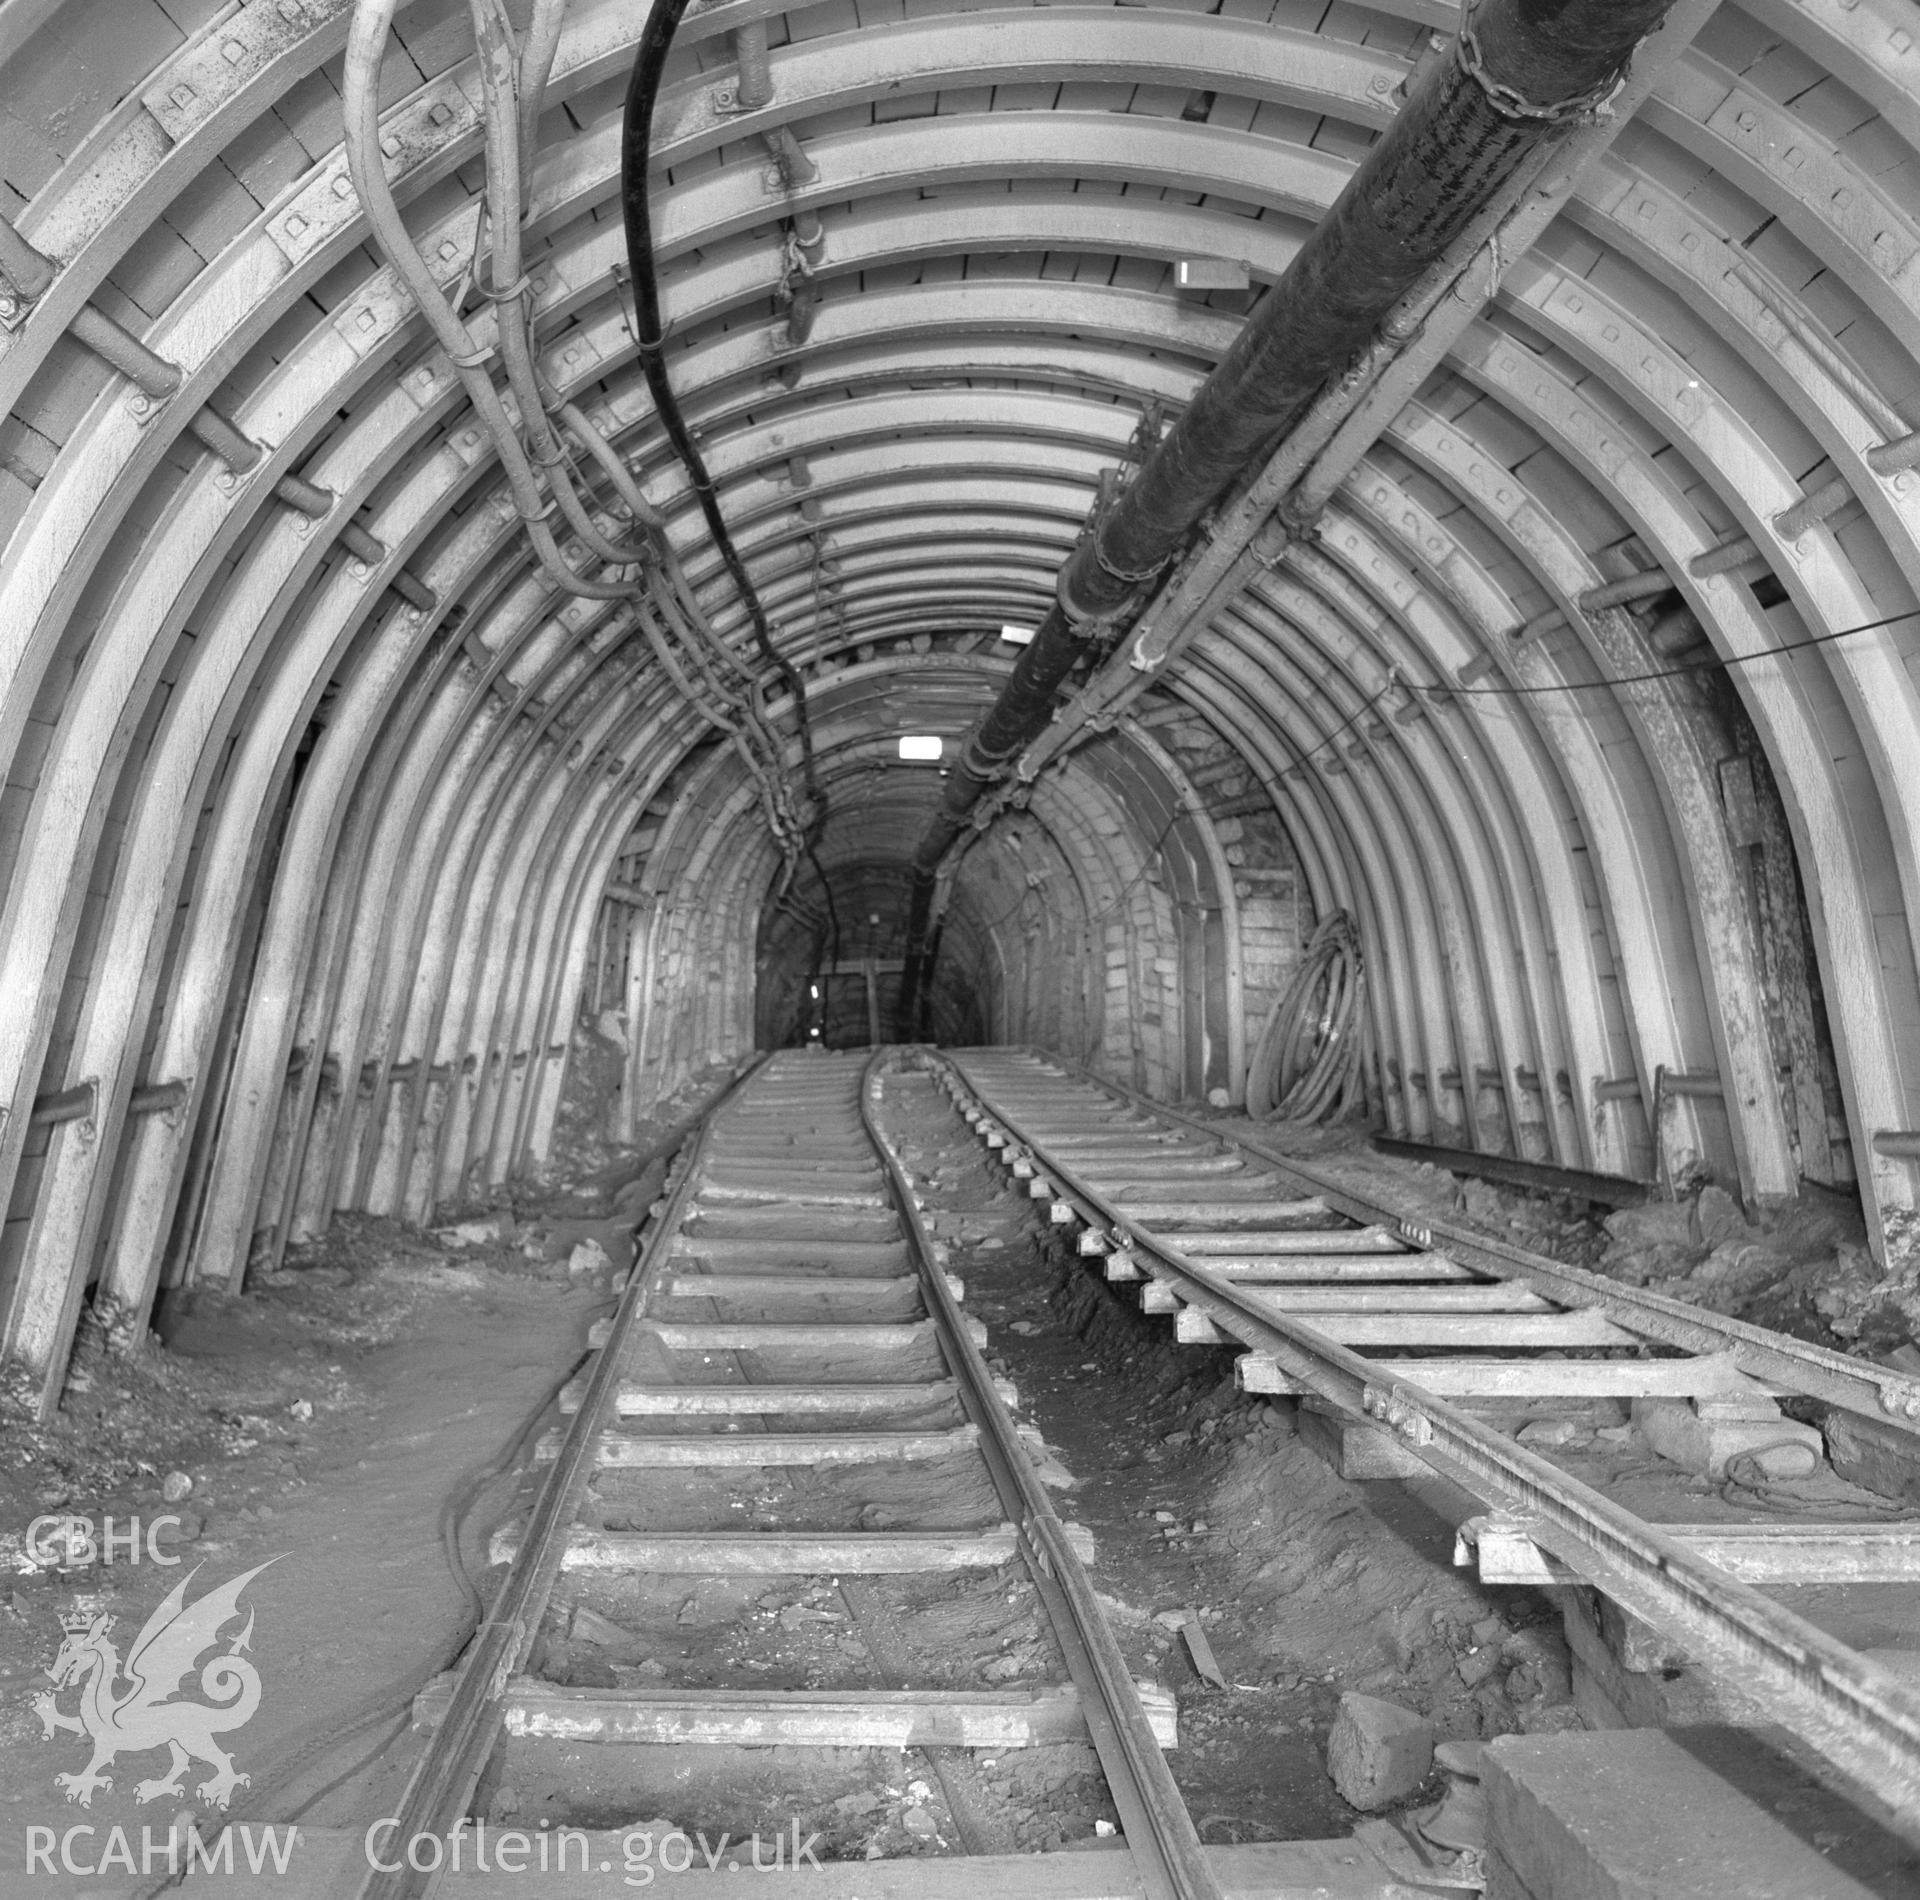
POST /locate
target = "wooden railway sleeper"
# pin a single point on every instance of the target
(1863, 1720)
(1103, 1702)
(1167, 1851)
(443, 1780)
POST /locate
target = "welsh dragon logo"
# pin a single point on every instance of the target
(140, 1716)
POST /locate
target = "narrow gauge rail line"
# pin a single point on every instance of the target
(1403, 1324)
(790, 1309)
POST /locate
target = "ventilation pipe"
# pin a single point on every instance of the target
(1521, 73)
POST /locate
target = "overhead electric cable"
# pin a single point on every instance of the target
(1715, 664)
(636, 156)
(514, 77)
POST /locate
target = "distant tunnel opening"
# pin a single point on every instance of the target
(831, 958)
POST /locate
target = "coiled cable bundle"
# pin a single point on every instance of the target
(1306, 1066)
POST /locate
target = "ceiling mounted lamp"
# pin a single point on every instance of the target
(1017, 636)
(1213, 273)
(921, 748)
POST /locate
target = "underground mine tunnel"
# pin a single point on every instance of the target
(1347, 570)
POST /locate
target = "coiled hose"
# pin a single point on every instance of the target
(1306, 1066)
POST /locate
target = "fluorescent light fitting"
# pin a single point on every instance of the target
(1017, 636)
(922, 747)
(1213, 273)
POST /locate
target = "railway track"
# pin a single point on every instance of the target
(1392, 1332)
(791, 1406)
(791, 1514)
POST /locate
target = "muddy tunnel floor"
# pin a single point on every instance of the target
(1205, 1507)
(371, 1407)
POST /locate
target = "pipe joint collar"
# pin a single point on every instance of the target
(1084, 621)
(1298, 519)
(981, 766)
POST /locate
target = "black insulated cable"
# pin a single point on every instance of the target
(636, 152)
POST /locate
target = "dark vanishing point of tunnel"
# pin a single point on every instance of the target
(831, 959)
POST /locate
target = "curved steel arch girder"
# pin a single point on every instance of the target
(1404, 849)
(1496, 807)
(1842, 840)
(363, 481)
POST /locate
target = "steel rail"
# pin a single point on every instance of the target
(1877, 1392)
(442, 1781)
(1856, 1716)
(1167, 1852)
(1612, 1190)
